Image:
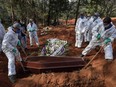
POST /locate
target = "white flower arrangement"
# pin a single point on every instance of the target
(54, 47)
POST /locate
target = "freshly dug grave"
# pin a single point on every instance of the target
(100, 74)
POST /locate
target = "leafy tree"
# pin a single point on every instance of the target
(49, 12)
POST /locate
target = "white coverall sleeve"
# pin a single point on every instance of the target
(35, 27)
(113, 36)
(6, 44)
(96, 30)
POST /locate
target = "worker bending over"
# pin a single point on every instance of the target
(103, 35)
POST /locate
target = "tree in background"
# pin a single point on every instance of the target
(47, 12)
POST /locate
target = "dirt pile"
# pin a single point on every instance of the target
(74, 79)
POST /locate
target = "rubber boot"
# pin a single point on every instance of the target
(12, 78)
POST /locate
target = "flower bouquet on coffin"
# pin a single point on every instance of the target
(54, 47)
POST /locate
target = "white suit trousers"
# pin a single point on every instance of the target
(87, 36)
(33, 35)
(108, 51)
(11, 62)
(79, 39)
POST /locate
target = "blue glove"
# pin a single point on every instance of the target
(98, 36)
(30, 30)
(107, 40)
(14, 50)
(19, 43)
(33, 30)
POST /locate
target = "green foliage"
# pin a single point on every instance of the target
(46, 11)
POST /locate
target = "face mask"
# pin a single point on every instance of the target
(82, 17)
(107, 26)
(18, 31)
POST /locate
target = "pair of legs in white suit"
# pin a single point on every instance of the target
(11, 61)
(33, 36)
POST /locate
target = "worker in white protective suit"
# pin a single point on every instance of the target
(86, 33)
(92, 22)
(9, 47)
(2, 33)
(79, 30)
(103, 35)
(32, 29)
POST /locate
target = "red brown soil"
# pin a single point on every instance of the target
(99, 74)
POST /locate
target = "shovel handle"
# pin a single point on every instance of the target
(93, 58)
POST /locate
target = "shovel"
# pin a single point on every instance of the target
(93, 58)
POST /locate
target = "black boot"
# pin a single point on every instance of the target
(31, 45)
(109, 60)
(82, 55)
(12, 78)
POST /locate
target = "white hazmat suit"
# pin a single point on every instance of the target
(80, 29)
(32, 29)
(92, 22)
(87, 29)
(9, 43)
(105, 33)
